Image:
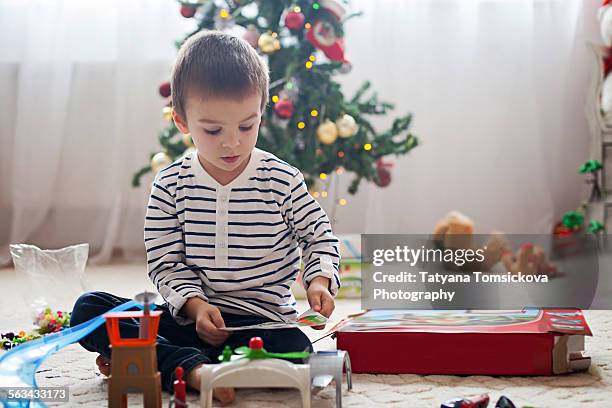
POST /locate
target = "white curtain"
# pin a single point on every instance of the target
(80, 114)
(497, 89)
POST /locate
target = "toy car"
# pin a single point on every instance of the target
(479, 402)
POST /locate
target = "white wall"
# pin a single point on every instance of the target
(497, 90)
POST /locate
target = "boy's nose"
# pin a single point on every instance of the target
(232, 141)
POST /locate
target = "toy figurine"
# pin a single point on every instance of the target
(179, 399)
(479, 402)
(227, 354)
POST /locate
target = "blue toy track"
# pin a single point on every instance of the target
(18, 366)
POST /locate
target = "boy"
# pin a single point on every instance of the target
(224, 223)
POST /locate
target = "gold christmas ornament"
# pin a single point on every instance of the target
(167, 112)
(327, 132)
(268, 43)
(159, 161)
(347, 126)
(187, 140)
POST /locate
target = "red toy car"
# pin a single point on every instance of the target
(477, 402)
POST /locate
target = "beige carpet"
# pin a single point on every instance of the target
(74, 367)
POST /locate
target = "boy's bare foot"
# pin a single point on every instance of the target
(224, 395)
(103, 364)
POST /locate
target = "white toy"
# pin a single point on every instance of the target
(253, 366)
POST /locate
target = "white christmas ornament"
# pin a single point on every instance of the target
(347, 126)
(251, 10)
(605, 24)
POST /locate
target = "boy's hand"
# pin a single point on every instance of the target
(208, 321)
(319, 298)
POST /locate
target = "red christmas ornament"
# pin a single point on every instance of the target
(284, 108)
(164, 89)
(187, 11)
(294, 20)
(383, 175)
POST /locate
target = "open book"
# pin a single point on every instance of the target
(307, 319)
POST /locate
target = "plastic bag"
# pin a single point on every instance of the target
(50, 278)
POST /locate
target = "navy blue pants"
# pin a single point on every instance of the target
(180, 345)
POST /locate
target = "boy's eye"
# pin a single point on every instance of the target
(212, 132)
(246, 128)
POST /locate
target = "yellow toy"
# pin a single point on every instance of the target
(456, 231)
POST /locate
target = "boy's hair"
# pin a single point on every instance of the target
(216, 64)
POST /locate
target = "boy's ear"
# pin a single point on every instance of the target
(180, 123)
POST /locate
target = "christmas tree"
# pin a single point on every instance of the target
(309, 122)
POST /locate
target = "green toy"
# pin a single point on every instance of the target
(595, 227)
(573, 220)
(592, 167)
(255, 351)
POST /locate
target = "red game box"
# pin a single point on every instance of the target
(471, 342)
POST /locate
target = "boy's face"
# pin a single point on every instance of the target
(223, 130)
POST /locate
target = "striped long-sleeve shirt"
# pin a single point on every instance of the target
(237, 246)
